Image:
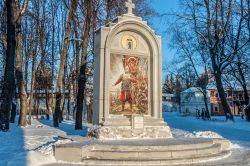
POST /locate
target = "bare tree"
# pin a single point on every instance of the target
(21, 82)
(194, 56)
(239, 44)
(82, 75)
(34, 60)
(8, 88)
(62, 63)
(210, 23)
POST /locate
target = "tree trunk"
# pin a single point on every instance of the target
(21, 83)
(70, 82)
(74, 112)
(247, 110)
(47, 100)
(62, 107)
(52, 60)
(223, 98)
(57, 110)
(77, 47)
(68, 106)
(33, 75)
(77, 63)
(13, 113)
(62, 63)
(33, 112)
(90, 112)
(63, 94)
(82, 75)
(244, 86)
(205, 99)
(8, 87)
(33, 80)
(37, 106)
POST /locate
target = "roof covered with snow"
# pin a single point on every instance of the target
(192, 90)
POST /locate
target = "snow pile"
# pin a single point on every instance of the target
(235, 146)
(207, 134)
(93, 131)
(177, 133)
(47, 148)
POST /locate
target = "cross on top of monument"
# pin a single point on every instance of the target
(130, 5)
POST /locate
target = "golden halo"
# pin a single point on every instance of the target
(128, 37)
(132, 60)
(132, 64)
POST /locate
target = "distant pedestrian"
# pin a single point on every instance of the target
(227, 116)
(199, 114)
(196, 113)
(241, 115)
(202, 114)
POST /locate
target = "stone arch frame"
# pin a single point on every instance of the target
(155, 63)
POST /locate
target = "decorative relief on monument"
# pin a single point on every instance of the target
(129, 42)
(129, 79)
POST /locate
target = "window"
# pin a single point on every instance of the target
(240, 97)
(216, 109)
(216, 94)
(234, 96)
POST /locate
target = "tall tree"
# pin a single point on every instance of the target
(34, 60)
(215, 41)
(193, 53)
(8, 88)
(64, 51)
(21, 82)
(240, 37)
(82, 75)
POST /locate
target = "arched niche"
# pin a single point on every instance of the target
(148, 46)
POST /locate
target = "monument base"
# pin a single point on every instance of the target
(131, 127)
(179, 151)
(128, 133)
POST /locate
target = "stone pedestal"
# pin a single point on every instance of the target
(122, 127)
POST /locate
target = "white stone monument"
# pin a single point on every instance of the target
(127, 80)
(127, 105)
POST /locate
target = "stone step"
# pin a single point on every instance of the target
(141, 154)
(162, 145)
(152, 148)
(158, 161)
(157, 150)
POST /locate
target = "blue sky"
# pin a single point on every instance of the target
(160, 26)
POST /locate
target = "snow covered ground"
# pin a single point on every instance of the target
(33, 145)
(237, 132)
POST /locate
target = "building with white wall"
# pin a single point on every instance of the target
(192, 100)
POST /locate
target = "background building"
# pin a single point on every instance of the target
(192, 100)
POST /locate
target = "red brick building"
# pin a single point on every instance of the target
(235, 98)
